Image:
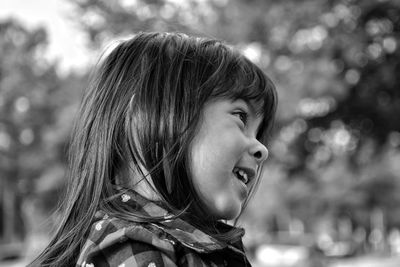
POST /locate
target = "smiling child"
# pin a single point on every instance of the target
(169, 144)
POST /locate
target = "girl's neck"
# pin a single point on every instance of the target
(144, 186)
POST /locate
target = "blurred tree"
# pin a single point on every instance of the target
(32, 135)
(360, 123)
(23, 114)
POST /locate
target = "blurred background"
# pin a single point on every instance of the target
(330, 195)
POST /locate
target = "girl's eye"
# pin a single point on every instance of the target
(242, 116)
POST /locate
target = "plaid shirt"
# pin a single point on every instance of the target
(117, 242)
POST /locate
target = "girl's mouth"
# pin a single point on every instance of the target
(241, 174)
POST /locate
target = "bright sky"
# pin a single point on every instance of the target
(66, 43)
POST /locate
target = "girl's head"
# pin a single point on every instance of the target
(183, 116)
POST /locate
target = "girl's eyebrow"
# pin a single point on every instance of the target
(251, 106)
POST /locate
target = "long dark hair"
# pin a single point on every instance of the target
(142, 109)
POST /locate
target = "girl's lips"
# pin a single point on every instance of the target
(246, 174)
(243, 189)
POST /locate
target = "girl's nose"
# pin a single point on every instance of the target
(259, 151)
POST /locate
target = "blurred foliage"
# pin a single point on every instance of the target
(35, 116)
(335, 149)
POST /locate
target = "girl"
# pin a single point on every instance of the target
(168, 145)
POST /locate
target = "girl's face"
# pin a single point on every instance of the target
(225, 156)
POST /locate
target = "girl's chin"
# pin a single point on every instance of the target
(227, 208)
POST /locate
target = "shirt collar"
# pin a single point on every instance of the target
(185, 233)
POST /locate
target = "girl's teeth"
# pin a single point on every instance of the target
(244, 175)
